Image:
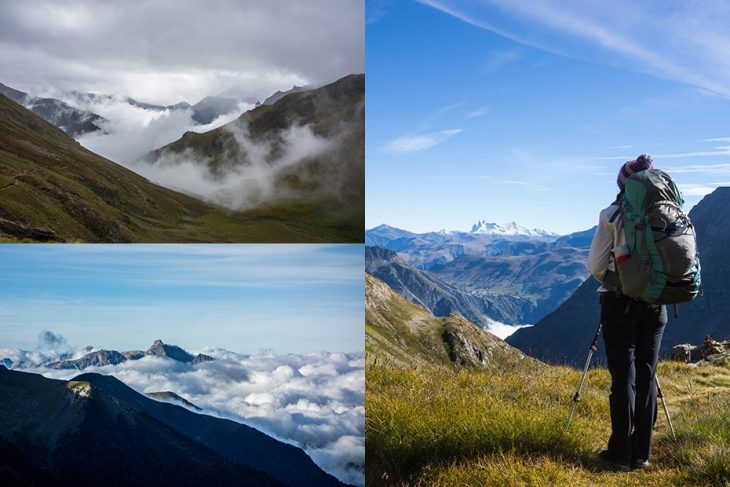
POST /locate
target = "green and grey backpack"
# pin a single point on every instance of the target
(660, 264)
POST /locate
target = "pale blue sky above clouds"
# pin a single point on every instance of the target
(288, 298)
(514, 110)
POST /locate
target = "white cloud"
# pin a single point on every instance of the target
(700, 189)
(314, 401)
(684, 42)
(479, 112)
(420, 142)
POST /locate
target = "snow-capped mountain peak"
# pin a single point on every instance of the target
(484, 227)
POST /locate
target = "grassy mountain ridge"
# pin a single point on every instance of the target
(52, 189)
(404, 334)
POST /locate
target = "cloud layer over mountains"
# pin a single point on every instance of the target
(172, 50)
(129, 132)
(315, 401)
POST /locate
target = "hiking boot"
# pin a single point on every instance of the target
(611, 462)
(638, 464)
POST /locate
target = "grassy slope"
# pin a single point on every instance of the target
(440, 424)
(51, 183)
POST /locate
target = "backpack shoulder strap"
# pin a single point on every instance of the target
(616, 213)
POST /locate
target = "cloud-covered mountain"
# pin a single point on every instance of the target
(303, 154)
(103, 430)
(564, 335)
(74, 121)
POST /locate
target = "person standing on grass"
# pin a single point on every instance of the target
(632, 334)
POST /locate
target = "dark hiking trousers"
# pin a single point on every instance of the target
(632, 333)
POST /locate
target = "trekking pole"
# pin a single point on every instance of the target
(576, 398)
(660, 395)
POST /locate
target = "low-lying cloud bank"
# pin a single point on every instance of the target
(247, 175)
(314, 401)
(129, 131)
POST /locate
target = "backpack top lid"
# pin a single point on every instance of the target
(646, 188)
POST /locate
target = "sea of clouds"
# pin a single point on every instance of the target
(314, 401)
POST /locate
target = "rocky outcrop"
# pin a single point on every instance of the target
(711, 351)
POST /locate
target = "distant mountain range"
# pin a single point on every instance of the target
(496, 273)
(426, 250)
(101, 358)
(203, 112)
(74, 121)
(563, 336)
(94, 430)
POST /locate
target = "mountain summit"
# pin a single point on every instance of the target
(101, 358)
(511, 229)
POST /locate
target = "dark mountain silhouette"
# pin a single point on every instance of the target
(94, 430)
(564, 335)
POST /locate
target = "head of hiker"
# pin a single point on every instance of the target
(641, 163)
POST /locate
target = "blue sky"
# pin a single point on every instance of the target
(524, 111)
(245, 298)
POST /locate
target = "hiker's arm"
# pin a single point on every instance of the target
(600, 253)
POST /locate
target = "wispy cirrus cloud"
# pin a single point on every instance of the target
(684, 42)
(421, 141)
(700, 189)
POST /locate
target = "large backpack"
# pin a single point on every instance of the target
(662, 265)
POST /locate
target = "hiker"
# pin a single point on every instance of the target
(632, 334)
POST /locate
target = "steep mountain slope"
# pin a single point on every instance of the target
(535, 283)
(95, 427)
(74, 121)
(436, 295)
(57, 433)
(564, 335)
(400, 333)
(52, 189)
(273, 143)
